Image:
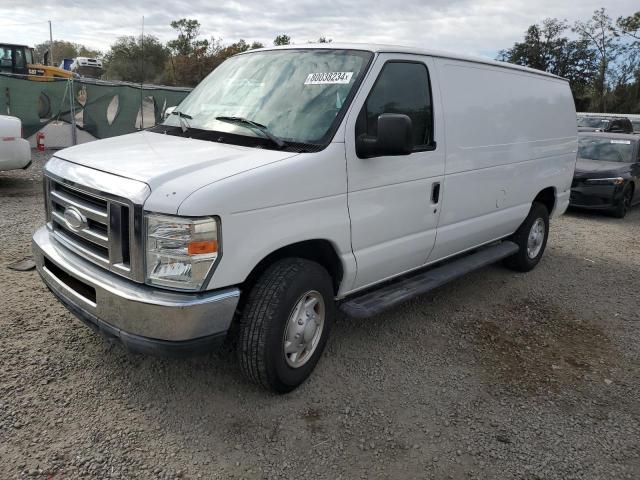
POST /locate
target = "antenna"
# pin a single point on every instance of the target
(142, 77)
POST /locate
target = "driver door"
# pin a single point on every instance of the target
(394, 201)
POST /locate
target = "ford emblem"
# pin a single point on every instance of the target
(75, 220)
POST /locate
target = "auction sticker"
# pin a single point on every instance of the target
(328, 78)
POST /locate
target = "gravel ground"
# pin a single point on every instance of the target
(497, 375)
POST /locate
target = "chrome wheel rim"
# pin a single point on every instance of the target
(304, 329)
(536, 237)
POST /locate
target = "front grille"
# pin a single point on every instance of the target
(579, 198)
(93, 226)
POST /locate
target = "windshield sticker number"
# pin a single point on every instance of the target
(621, 142)
(328, 78)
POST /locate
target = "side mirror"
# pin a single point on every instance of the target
(168, 111)
(395, 137)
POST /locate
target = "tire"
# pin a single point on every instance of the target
(269, 318)
(625, 202)
(529, 254)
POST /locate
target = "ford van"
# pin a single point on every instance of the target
(297, 181)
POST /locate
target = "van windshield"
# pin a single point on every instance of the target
(297, 95)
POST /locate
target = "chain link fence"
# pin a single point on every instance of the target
(78, 110)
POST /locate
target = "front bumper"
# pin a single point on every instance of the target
(143, 318)
(596, 197)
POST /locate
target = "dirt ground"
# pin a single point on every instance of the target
(497, 375)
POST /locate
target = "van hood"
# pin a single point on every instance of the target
(172, 166)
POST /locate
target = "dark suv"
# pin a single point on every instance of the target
(605, 124)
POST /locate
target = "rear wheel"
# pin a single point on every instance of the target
(625, 202)
(285, 324)
(531, 238)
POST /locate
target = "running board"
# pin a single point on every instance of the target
(392, 294)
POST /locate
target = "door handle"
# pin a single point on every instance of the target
(435, 193)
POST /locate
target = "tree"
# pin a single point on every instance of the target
(63, 49)
(600, 34)
(190, 61)
(545, 47)
(630, 26)
(193, 58)
(123, 61)
(324, 39)
(223, 53)
(187, 42)
(282, 40)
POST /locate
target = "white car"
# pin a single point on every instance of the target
(87, 67)
(15, 151)
(294, 181)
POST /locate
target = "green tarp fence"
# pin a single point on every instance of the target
(104, 109)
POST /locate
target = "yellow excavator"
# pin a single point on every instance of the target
(18, 59)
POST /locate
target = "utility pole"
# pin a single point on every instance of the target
(50, 44)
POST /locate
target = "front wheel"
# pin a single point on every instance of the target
(625, 202)
(285, 324)
(531, 238)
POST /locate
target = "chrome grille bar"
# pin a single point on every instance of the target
(89, 210)
(86, 233)
(103, 227)
(72, 244)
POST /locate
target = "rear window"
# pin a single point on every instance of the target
(593, 122)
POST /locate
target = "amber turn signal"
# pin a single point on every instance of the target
(198, 248)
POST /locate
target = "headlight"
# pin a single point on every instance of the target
(180, 251)
(605, 181)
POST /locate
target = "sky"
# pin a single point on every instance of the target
(481, 27)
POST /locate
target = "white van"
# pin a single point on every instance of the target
(296, 181)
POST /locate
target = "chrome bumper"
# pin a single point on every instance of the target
(143, 318)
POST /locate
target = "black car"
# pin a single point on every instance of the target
(604, 124)
(607, 175)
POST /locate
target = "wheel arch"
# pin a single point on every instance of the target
(547, 197)
(321, 251)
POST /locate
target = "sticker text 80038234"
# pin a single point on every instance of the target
(325, 78)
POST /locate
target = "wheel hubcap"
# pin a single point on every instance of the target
(304, 329)
(536, 237)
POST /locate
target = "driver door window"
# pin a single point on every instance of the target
(401, 87)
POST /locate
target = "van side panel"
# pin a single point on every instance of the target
(509, 135)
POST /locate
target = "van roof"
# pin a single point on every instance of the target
(381, 48)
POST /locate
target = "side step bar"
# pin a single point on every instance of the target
(392, 294)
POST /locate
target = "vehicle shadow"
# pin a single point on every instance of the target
(601, 214)
(495, 329)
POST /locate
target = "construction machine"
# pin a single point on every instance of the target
(18, 59)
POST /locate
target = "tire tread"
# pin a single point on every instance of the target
(258, 317)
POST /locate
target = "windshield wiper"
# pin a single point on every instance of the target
(253, 125)
(184, 125)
